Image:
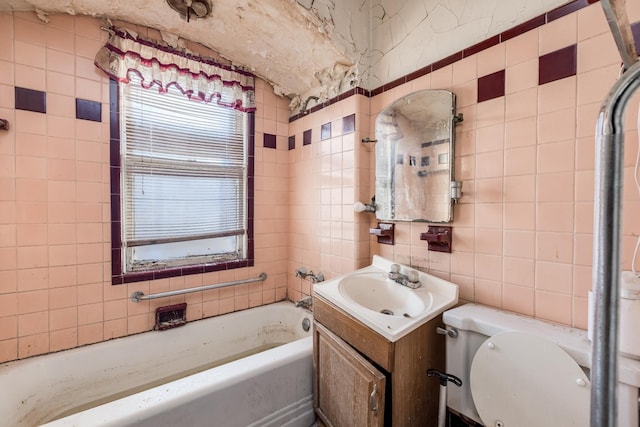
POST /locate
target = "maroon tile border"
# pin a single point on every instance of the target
(557, 65)
(117, 276)
(269, 141)
(446, 61)
(483, 45)
(492, 41)
(491, 86)
(325, 131)
(520, 29)
(30, 100)
(292, 142)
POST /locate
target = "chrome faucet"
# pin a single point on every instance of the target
(410, 280)
(314, 278)
(305, 302)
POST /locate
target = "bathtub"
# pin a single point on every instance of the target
(150, 379)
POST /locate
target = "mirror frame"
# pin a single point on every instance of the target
(410, 136)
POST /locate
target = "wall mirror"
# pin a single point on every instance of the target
(414, 157)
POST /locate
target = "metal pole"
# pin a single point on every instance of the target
(606, 242)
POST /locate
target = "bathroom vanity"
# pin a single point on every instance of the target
(370, 363)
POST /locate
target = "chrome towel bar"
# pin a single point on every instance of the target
(138, 296)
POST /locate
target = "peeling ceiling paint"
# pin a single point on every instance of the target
(319, 47)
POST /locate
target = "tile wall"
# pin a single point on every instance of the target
(55, 271)
(522, 233)
(522, 236)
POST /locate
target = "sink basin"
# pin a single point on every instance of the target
(388, 308)
(378, 293)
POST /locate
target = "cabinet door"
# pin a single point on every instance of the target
(349, 391)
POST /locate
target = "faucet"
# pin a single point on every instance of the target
(410, 280)
(305, 302)
(303, 274)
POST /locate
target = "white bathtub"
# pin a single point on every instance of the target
(270, 388)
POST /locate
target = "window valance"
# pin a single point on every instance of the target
(163, 66)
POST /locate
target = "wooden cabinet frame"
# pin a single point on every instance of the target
(412, 397)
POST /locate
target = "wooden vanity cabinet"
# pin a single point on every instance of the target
(362, 379)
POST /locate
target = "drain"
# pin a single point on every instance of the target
(387, 312)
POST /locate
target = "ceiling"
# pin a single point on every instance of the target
(319, 47)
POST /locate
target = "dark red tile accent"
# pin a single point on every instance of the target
(30, 100)
(491, 86)
(523, 28)
(635, 30)
(306, 137)
(251, 124)
(395, 83)
(419, 73)
(114, 151)
(114, 111)
(325, 131)
(362, 91)
(269, 141)
(292, 142)
(479, 47)
(250, 166)
(349, 124)
(88, 110)
(446, 61)
(377, 91)
(193, 269)
(116, 263)
(557, 65)
(566, 9)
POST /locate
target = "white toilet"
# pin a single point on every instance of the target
(520, 372)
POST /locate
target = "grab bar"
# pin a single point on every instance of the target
(138, 296)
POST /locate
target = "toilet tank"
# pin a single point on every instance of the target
(475, 323)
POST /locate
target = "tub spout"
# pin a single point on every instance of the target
(305, 302)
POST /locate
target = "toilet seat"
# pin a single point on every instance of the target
(523, 380)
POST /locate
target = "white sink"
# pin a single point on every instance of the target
(390, 309)
(377, 292)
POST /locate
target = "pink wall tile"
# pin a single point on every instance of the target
(556, 247)
(554, 217)
(33, 345)
(553, 306)
(518, 299)
(63, 339)
(554, 276)
(558, 34)
(519, 271)
(522, 76)
(521, 241)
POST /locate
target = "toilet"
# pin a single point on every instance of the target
(517, 371)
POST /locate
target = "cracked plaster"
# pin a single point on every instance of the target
(319, 48)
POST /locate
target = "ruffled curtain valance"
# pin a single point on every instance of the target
(196, 77)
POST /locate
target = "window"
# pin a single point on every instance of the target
(184, 174)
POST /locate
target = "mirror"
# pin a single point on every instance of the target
(414, 157)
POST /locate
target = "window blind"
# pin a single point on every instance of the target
(184, 173)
